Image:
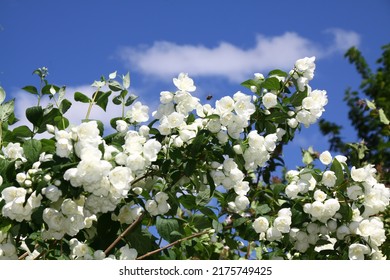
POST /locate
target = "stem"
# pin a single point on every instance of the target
(1, 134)
(173, 244)
(248, 252)
(91, 103)
(23, 256)
(123, 108)
(123, 234)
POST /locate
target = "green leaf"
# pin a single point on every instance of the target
(2, 95)
(6, 110)
(188, 201)
(65, 105)
(238, 222)
(338, 170)
(46, 89)
(210, 180)
(32, 149)
(141, 240)
(190, 167)
(249, 83)
(130, 100)
(102, 99)
(271, 84)
(22, 131)
(117, 100)
(208, 212)
(200, 221)
(217, 226)
(382, 116)
(197, 143)
(78, 96)
(165, 227)
(114, 86)
(296, 98)
(263, 209)
(35, 115)
(277, 72)
(203, 197)
(61, 122)
(31, 89)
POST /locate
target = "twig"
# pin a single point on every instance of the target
(173, 244)
(123, 234)
(23, 256)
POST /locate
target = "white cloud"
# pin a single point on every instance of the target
(166, 59)
(342, 39)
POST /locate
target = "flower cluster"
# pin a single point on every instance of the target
(192, 166)
(326, 212)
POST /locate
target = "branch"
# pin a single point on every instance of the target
(173, 244)
(124, 233)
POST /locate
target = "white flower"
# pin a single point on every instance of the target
(331, 205)
(270, 142)
(144, 131)
(282, 223)
(138, 113)
(120, 177)
(175, 120)
(306, 66)
(63, 143)
(241, 188)
(285, 212)
(21, 177)
(88, 131)
(224, 105)
(305, 117)
(238, 149)
(121, 126)
(325, 158)
(79, 250)
(260, 225)
(1, 180)
(372, 230)
(302, 83)
(161, 197)
(359, 174)
(258, 76)
(52, 192)
(270, 100)
(127, 253)
(166, 97)
(319, 195)
(354, 192)
(342, 231)
(329, 179)
(229, 165)
(128, 213)
(317, 209)
(357, 251)
(184, 83)
(273, 234)
(293, 123)
(151, 148)
(242, 202)
(13, 151)
(136, 162)
(292, 190)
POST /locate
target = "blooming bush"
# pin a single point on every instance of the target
(194, 183)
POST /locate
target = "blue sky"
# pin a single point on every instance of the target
(219, 43)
